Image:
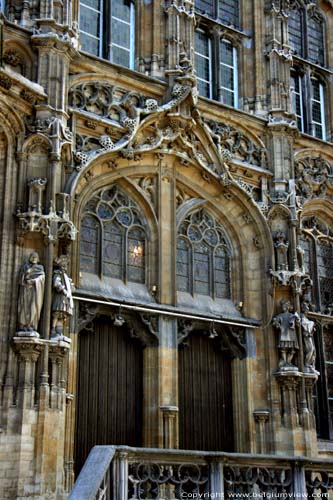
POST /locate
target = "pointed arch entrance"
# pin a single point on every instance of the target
(205, 394)
(109, 389)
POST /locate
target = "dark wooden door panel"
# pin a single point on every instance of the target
(109, 396)
(205, 396)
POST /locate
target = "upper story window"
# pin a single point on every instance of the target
(225, 11)
(216, 81)
(113, 237)
(308, 103)
(107, 29)
(203, 257)
(306, 34)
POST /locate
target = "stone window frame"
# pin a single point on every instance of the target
(105, 39)
(215, 35)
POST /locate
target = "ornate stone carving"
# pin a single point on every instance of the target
(234, 143)
(52, 225)
(86, 316)
(285, 323)
(31, 296)
(62, 303)
(128, 113)
(314, 179)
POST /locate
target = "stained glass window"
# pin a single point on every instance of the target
(113, 237)
(203, 256)
(107, 29)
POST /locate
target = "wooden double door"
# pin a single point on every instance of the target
(109, 407)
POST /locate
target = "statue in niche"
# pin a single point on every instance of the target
(300, 258)
(308, 329)
(286, 323)
(62, 303)
(31, 296)
(281, 247)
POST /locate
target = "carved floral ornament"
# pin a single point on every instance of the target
(314, 179)
(136, 124)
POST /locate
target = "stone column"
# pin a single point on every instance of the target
(261, 418)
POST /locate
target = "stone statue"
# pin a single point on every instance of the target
(308, 328)
(62, 304)
(31, 295)
(300, 258)
(281, 247)
(285, 323)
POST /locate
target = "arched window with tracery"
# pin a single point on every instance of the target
(203, 256)
(113, 237)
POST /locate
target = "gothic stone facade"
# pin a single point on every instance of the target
(192, 196)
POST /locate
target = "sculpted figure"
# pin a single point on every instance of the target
(308, 328)
(285, 323)
(31, 295)
(62, 303)
(281, 246)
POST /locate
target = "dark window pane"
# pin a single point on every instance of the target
(113, 251)
(89, 242)
(221, 273)
(325, 273)
(90, 26)
(121, 10)
(203, 63)
(295, 31)
(315, 41)
(201, 264)
(205, 6)
(229, 12)
(182, 266)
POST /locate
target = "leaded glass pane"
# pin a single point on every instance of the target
(329, 373)
(205, 6)
(89, 243)
(121, 10)
(203, 63)
(136, 255)
(295, 30)
(201, 268)
(315, 41)
(183, 265)
(120, 33)
(221, 273)
(296, 96)
(90, 23)
(113, 256)
(318, 119)
(229, 12)
(228, 73)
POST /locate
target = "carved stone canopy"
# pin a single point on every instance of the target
(143, 327)
(230, 338)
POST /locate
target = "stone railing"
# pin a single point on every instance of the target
(122, 473)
